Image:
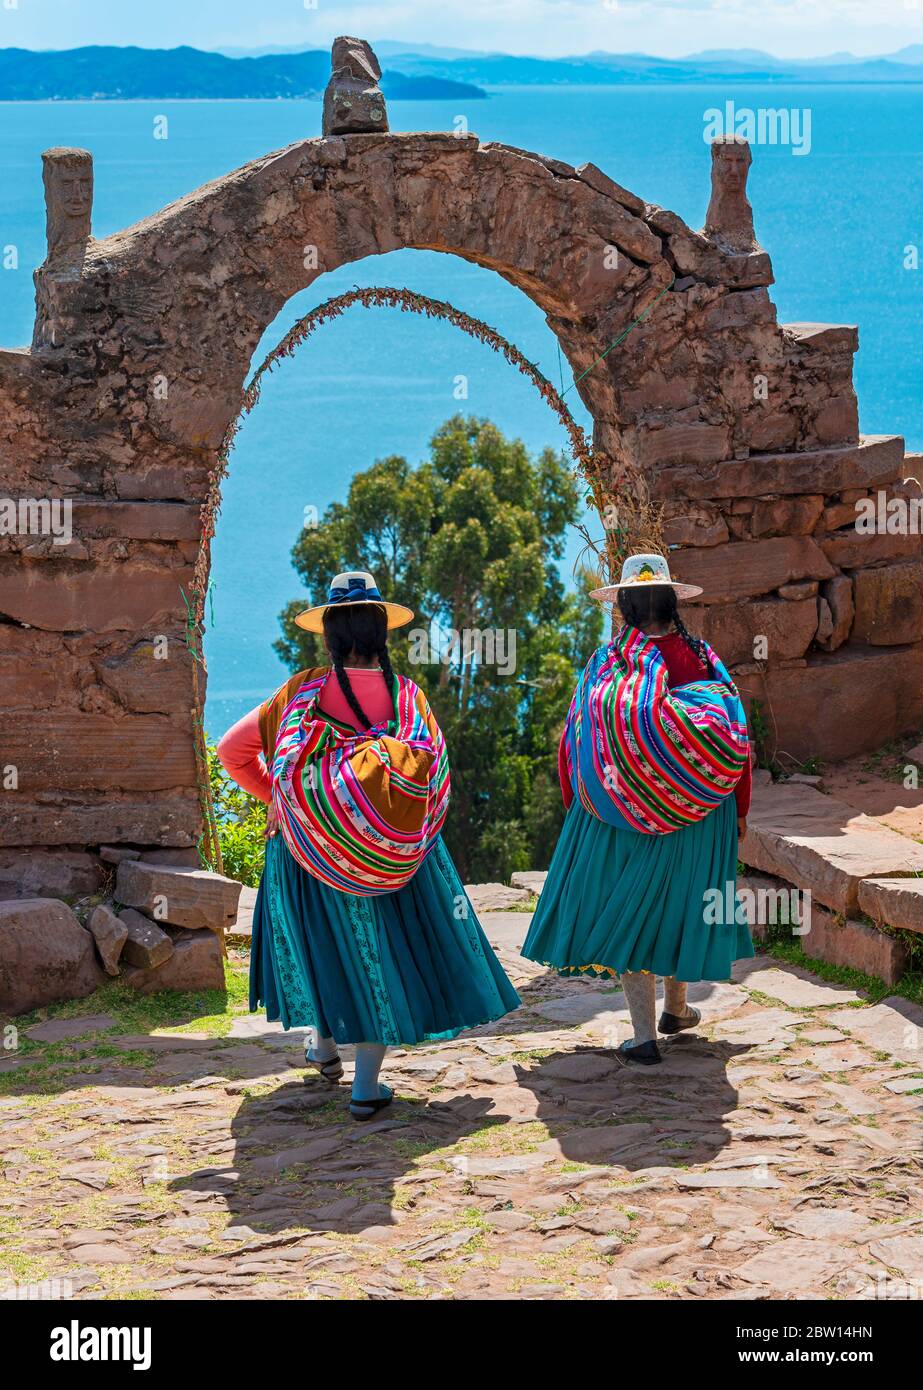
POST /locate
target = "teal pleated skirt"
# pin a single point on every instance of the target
(618, 900)
(399, 968)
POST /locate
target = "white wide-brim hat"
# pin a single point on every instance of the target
(347, 590)
(639, 571)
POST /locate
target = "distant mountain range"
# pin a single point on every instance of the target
(423, 72)
(84, 74)
(608, 69)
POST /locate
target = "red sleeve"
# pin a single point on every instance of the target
(567, 790)
(240, 753)
(744, 787)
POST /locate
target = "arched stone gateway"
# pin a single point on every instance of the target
(142, 345)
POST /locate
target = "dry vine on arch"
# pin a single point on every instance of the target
(620, 494)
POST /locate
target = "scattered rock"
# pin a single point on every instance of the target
(110, 935)
(196, 962)
(146, 945)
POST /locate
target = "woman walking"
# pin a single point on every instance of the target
(655, 770)
(362, 931)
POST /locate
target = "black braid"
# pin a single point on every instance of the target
(343, 678)
(384, 661)
(362, 629)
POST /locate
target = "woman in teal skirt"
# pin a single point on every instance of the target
(617, 900)
(392, 968)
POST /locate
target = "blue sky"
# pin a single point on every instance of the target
(790, 28)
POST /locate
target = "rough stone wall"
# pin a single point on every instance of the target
(142, 346)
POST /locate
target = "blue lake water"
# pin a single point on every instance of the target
(836, 222)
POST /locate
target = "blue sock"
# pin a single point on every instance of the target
(319, 1049)
(369, 1057)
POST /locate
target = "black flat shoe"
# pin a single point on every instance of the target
(644, 1055)
(676, 1023)
(331, 1071)
(368, 1109)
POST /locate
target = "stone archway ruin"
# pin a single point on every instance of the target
(140, 353)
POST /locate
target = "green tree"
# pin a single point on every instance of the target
(470, 540)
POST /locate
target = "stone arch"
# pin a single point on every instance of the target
(140, 353)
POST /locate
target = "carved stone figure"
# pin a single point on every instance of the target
(68, 178)
(729, 219)
(353, 101)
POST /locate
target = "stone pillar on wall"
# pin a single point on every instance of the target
(67, 175)
(820, 619)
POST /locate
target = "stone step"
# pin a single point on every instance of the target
(243, 924)
(533, 879)
(819, 843)
(895, 901)
(495, 897)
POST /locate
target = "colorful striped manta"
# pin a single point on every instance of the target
(359, 811)
(646, 757)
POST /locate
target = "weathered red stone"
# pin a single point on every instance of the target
(45, 955)
(851, 943)
(195, 963)
(741, 570)
(146, 944)
(782, 630)
(867, 696)
(875, 460)
(181, 896)
(836, 593)
(69, 750)
(889, 604)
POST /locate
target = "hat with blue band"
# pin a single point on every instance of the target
(354, 587)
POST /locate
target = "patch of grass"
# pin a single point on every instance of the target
(208, 1011)
(500, 1137)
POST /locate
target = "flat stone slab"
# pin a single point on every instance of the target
(506, 931)
(57, 1029)
(798, 989)
(257, 1026)
(794, 1266)
(819, 843)
(894, 1026)
(767, 1026)
(902, 1084)
(904, 1253)
(822, 1223)
(896, 901)
(598, 1011)
(729, 1177)
(821, 1035)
